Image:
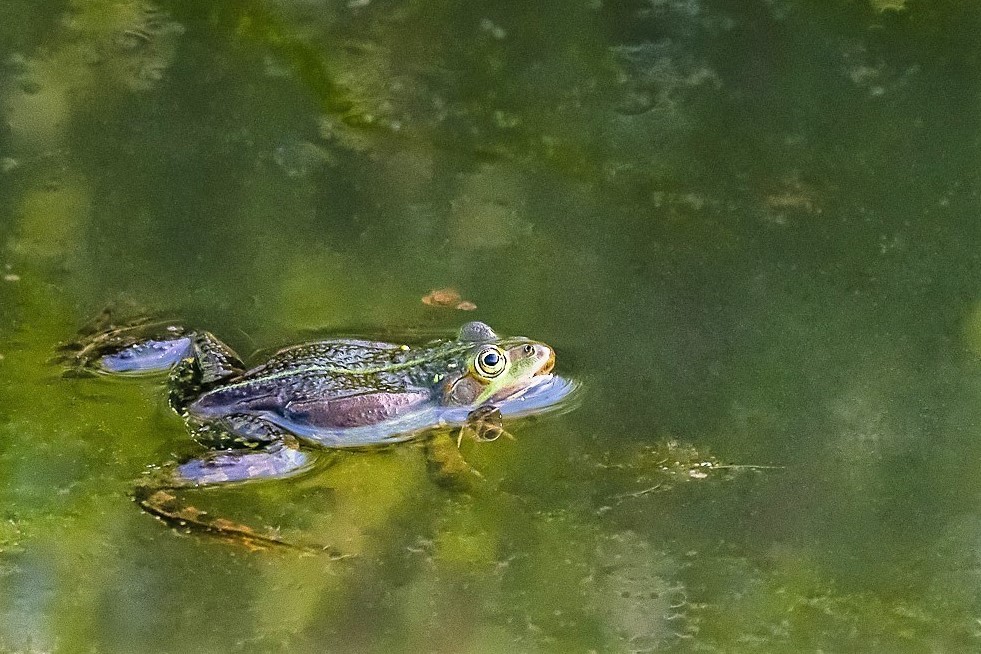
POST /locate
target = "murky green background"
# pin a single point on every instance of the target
(751, 228)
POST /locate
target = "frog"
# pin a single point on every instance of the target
(269, 420)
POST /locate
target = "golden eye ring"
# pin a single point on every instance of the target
(490, 362)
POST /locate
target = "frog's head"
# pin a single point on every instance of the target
(497, 370)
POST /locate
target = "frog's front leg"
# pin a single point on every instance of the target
(484, 424)
(446, 464)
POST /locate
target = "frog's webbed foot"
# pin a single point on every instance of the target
(166, 505)
(484, 424)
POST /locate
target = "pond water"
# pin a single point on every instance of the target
(751, 230)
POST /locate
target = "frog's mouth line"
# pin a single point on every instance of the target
(547, 366)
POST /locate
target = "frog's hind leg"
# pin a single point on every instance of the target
(145, 346)
(215, 360)
(161, 493)
(205, 364)
(134, 347)
(252, 449)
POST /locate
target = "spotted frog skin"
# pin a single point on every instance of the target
(356, 392)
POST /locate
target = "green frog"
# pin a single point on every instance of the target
(268, 421)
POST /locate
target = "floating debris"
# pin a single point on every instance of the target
(11, 277)
(660, 466)
(448, 298)
(442, 297)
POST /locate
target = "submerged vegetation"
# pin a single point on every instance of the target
(750, 230)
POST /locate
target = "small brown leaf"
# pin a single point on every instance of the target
(442, 297)
(448, 298)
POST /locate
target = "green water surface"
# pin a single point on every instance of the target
(752, 230)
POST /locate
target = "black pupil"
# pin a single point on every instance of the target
(491, 359)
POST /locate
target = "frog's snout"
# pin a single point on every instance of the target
(549, 363)
(546, 355)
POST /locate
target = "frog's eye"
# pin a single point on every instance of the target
(491, 362)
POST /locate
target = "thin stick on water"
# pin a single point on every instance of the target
(742, 466)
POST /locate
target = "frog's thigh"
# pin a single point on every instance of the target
(274, 462)
(448, 467)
